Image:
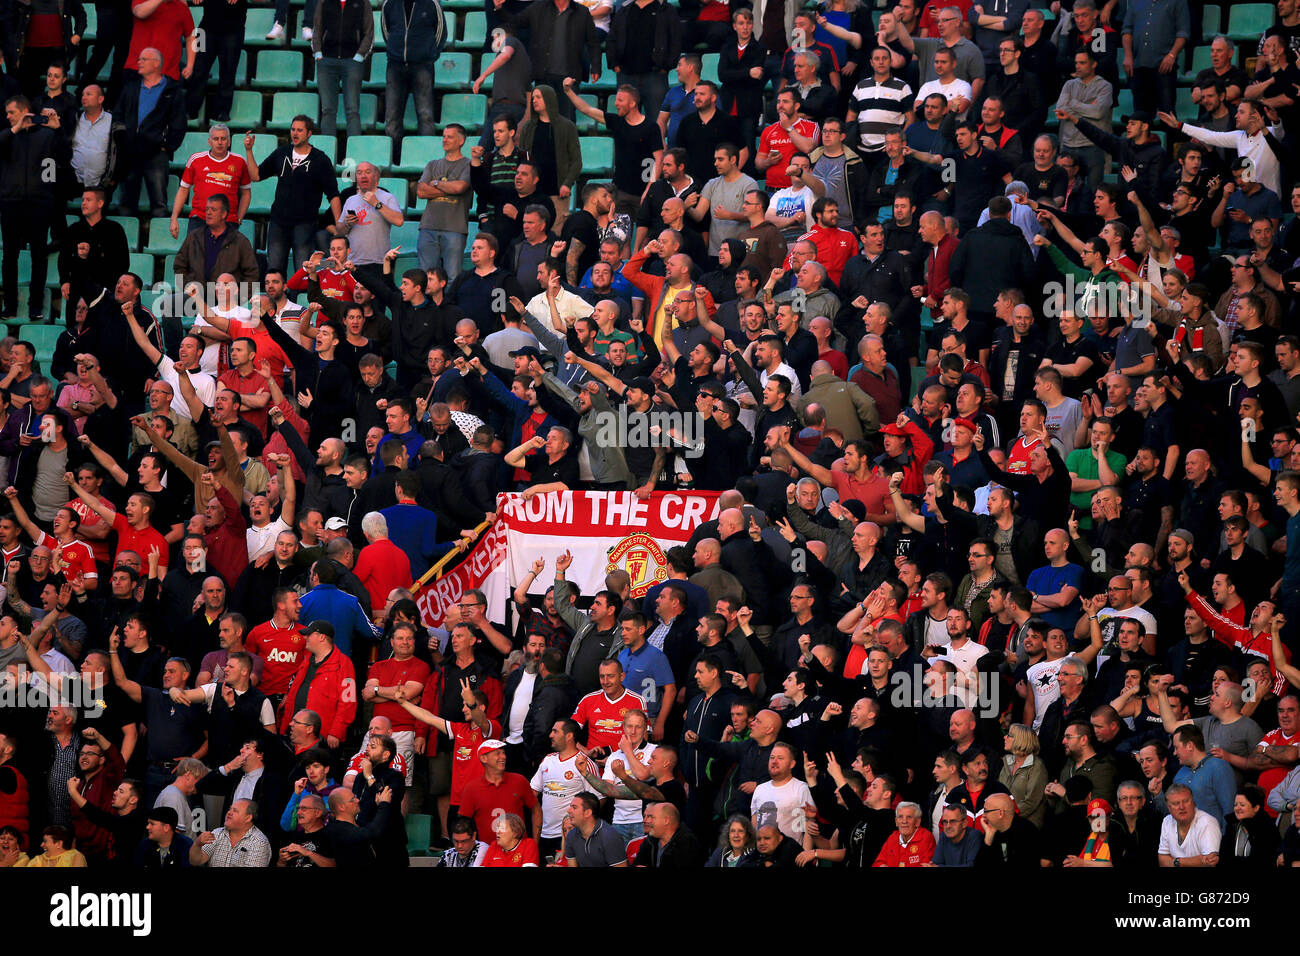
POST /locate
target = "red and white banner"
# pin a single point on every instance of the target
(482, 568)
(604, 530)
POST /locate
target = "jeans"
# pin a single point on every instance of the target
(225, 49)
(194, 224)
(24, 224)
(416, 78)
(153, 172)
(1092, 159)
(498, 109)
(441, 247)
(629, 831)
(280, 237)
(329, 72)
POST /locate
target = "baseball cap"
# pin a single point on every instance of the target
(488, 746)
(529, 350)
(964, 423)
(1139, 116)
(336, 524)
(165, 815)
(892, 429)
(1098, 804)
(320, 627)
(644, 383)
(1185, 535)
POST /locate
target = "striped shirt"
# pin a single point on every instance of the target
(881, 107)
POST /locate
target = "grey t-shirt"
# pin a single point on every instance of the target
(1240, 737)
(731, 197)
(49, 493)
(970, 61)
(447, 213)
(369, 235)
(1062, 422)
(510, 83)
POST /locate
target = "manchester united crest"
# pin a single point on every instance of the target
(643, 560)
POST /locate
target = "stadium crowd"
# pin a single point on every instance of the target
(981, 319)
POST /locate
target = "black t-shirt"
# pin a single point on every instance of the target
(544, 472)
(978, 178)
(321, 842)
(1053, 182)
(581, 225)
(1067, 353)
(633, 145)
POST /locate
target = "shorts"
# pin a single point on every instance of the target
(405, 740)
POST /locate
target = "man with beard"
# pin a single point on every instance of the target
(595, 634)
(520, 687)
(867, 811)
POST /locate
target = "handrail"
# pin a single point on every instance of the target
(435, 572)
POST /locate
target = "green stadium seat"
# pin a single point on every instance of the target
(467, 109)
(159, 241)
(278, 69)
(451, 29)
(43, 337)
(285, 106)
(709, 70)
(1200, 61)
(142, 265)
(92, 21)
(1183, 105)
(404, 262)
(474, 33)
(131, 226)
(246, 113)
(419, 833)
(263, 193)
(378, 72)
(452, 71)
(400, 188)
(607, 83)
(417, 151)
(370, 149)
(584, 122)
(470, 233)
(1123, 104)
(463, 5)
(191, 143)
(248, 229)
(241, 72)
(1211, 21)
(597, 155)
(1248, 21)
(380, 42)
(257, 26)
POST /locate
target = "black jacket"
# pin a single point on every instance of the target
(415, 328)
(1149, 159)
(666, 46)
(991, 258)
(538, 19)
(161, 131)
(739, 89)
(1032, 350)
(881, 193)
(417, 38)
(109, 255)
(23, 164)
(554, 698)
(270, 793)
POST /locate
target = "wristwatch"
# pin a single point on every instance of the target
(1177, 862)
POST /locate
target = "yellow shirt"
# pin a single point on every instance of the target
(664, 319)
(66, 858)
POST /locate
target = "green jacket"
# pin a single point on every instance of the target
(568, 154)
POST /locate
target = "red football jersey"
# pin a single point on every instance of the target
(524, 854)
(465, 765)
(72, 558)
(208, 177)
(281, 648)
(603, 717)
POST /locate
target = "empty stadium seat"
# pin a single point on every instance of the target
(278, 69)
(417, 151)
(131, 226)
(1248, 21)
(474, 32)
(258, 25)
(159, 241)
(452, 71)
(378, 78)
(285, 106)
(192, 143)
(246, 112)
(370, 149)
(467, 109)
(597, 155)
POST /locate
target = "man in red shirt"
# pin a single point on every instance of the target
(215, 170)
(243, 377)
(335, 281)
(835, 246)
(851, 477)
(602, 711)
(381, 565)
(1033, 415)
(404, 673)
(134, 532)
(279, 643)
(1275, 756)
(324, 683)
(93, 528)
(166, 26)
(496, 792)
(70, 556)
(790, 134)
(466, 737)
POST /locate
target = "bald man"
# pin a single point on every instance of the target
(709, 574)
(845, 405)
(1055, 586)
(1009, 839)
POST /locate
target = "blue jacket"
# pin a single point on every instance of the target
(418, 40)
(325, 602)
(947, 853)
(415, 531)
(413, 441)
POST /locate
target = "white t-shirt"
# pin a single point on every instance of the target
(519, 705)
(936, 632)
(1203, 836)
(262, 540)
(789, 202)
(956, 88)
(558, 781)
(964, 657)
(1041, 678)
(627, 811)
(782, 805)
(205, 386)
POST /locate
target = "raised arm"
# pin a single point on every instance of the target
(124, 683)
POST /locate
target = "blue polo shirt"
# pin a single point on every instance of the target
(646, 672)
(1049, 580)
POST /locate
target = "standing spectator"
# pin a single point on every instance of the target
(151, 109)
(325, 683)
(1086, 95)
(679, 102)
(514, 75)
(28, 200)
(367, 217)
(342, 37)
(306, 174)
(551, 143)
(95, 143)
(562, 37)
(217, 249)
(223, 41)
(94, 249)
(44, 32)
(445, 222)
(214, 171)
(742, 72)
(167, 27)
(1155, 33)
(790, 134)
(645, 42)
(638, 143)
(416, 31)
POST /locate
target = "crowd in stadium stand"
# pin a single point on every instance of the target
(980, 320)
